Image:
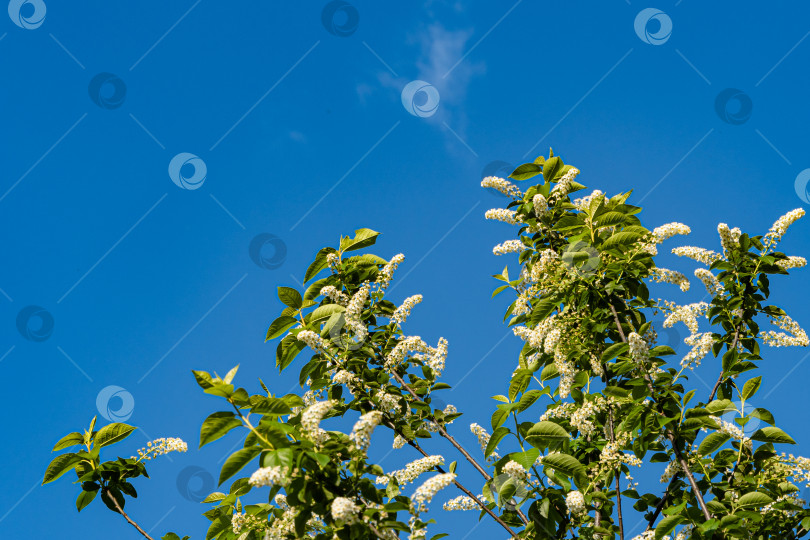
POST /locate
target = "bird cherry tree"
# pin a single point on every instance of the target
(592, 398)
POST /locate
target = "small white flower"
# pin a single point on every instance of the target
(504, 186)
(361, 433)
(344, 510)
(575, 502)
(425, 493)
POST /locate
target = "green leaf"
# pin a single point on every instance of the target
(764, 415)
(545, 432)
(290, 297)
(59, 466)
(363, 238)
(112, 433)
(608, 219)
(214, 497)
(754, 499)
(613, 351)
(519, 383)
(551, 167)
(497, 435)
(712, 442)
(719, 407)
(319, 263)
(237, 461)
(71, 439)
(526, 171)
(217, 425)
(231, 374)
(85, 498)
(622, 238)
(564, 463)
(279, 326)
(203, 379)
(526, 458)
(324, 312)
(272, 406)
(772, 434)
(117, 496)
(288, 348)
(751, 386)
(666, 526)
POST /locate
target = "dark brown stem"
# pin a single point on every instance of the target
(455, 443)
(618, 481)
(467, 492)
(720, 378)
(668, 432)
(662, 502)
(120, 510)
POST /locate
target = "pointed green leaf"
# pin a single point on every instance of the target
(71, 439)
(290, 297)
(59, 466)
(753, 500)
(750, 387)
(545, 432)
(564, 463)
(112, 433)
(526, 171)
(362, 238)
(772, 434)
(217, 425)
(237, 461)
(712, 442)
(667, 525)
(279, 326)
(526, 458)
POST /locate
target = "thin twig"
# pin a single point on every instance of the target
(120, 510)
(618, 481)
(455, 443)
(668, 432)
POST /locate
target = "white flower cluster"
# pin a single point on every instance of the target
(313, 341)
(684, 533)
(425, 493)
(688, 315)
(403, 347)
(733, 431)
(387, 272)
(268, 476)
(648, 535)
(664, 275)
(540, 204)
(673, 468)
(665, 232)
(242, 520)
(548, 259)
(798, 337)
(311, 419)
(563, 186)
(387, 402)
(781, 226)
(399, 442)
(510, 246)
(612, 456)
(504, 186)
(639, 350)
(354, 310)
(701, 345)
(438, 357)
(728, 237)
(502, 214)
(344, 510)
(583, 203)
(712, 284)
(412, 470)
(333, 261)
(516, 471)
(799, 467)
(336, 296)
(403, 311)
(483, 439)
(345, 377)
(462, 502)
(581, 416)
(564, 410)
(792, 262)
(361, 433)
(575, 503)
(161, 446)
(704, 256)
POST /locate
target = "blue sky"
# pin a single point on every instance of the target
(303, 135)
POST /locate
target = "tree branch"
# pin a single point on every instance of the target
(120, 510)
(667, 431)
